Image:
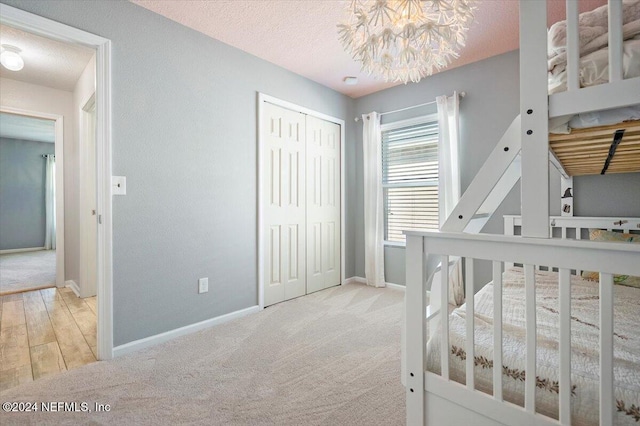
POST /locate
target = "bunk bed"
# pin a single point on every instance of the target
(595, 142)
(542, 318)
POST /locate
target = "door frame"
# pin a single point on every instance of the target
(59, 153)
(262, 98)
(48, 28)
(85, 169)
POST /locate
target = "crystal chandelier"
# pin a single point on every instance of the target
(405, 40)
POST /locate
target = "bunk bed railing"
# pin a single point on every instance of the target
(618, 92)
(565, 256)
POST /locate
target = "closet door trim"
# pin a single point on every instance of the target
(262, 98)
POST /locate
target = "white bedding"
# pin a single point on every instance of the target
(585, 338)
(594, 67)
(594, 63)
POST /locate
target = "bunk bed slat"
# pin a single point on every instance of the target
(606, 349)
(530, 324)
(578, 237)
(573, 49)
(509, 229)
(468, 263)
(585, 151)
(615, 40)
(497, 330)
(444, 315)
(564, 307)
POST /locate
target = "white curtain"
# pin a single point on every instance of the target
(449, 179)
(373, 202)
(50, 203)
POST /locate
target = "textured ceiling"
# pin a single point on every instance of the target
(301, 35)
(46, 62)
(27, 128)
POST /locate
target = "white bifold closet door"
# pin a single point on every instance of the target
(284, 204)
(301, 203)
(323, 204)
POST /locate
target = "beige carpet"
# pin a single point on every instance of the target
(28, 270)
(330, 358)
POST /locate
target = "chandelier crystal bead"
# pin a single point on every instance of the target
(405, 40)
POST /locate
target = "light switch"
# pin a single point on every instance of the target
(119, 185)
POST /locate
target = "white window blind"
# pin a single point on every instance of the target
(410, 178)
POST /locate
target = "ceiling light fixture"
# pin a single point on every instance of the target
(10, 58)
(405, 40)
(350, 81)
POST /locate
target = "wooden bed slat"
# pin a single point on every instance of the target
(530, 324)
(564, 308)
(606, 349)
(444, 315)
(497, 330)
(469, 298)
(584, 151)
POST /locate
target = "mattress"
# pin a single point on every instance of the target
(585, 343)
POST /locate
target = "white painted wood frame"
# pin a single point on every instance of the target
(88, 223)
(262, 98)
(618, 92)
(59, 152)
(534, 115)
(54, 30)
(564, 254)
(576, 224)
(504, 153)
(573, 50)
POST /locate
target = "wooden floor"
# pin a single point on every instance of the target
(44, 332)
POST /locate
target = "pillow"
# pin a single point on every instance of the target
(602, 235)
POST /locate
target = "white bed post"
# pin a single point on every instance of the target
(416, 330)
(534, 110)
(615, 40)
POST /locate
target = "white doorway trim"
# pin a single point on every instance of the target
(88, 235)
(54, 30)
(59, 152)
(262, 98)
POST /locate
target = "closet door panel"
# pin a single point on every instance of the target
(323, 204)
(283, 176)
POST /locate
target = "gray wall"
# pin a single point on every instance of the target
(492, 101)
(184, 135)
(22, 188)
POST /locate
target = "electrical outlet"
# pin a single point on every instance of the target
(203, 285)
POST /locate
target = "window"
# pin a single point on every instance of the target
(410, 176)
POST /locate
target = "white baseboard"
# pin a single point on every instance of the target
(360, 280)
(73, 286)
(136, 345)
(396, 286)
(354, 280)
(21, 250)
